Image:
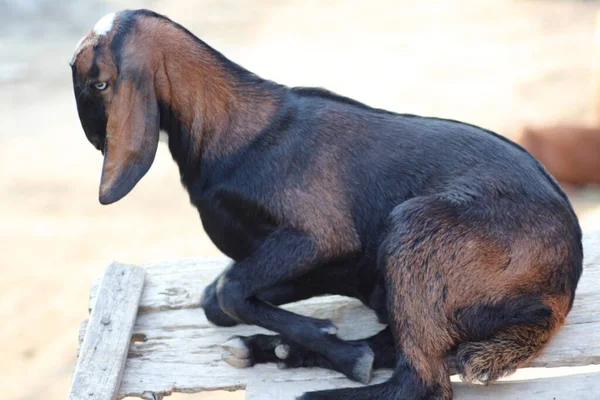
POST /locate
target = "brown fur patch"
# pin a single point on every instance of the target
(487, 361)
(442, 261)
(216, 111)
(220, 115)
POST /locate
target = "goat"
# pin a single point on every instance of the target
(457, 238)
(570, 153)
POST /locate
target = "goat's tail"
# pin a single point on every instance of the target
(501, 354)
(515, 343)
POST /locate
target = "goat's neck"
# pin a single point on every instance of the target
(210, 107)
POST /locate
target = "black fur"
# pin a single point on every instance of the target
(404, 384)
(92, 113)
(480, 321)
(398, 181)
(124, 30)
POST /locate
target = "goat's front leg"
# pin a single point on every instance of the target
(283, 257)
(247, 351)
(283, 293)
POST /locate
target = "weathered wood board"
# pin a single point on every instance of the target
(574, 387)
(101, 359)
(177, 349)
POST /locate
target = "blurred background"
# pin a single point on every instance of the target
(501, 64)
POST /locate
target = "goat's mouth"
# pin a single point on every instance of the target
(99, 142)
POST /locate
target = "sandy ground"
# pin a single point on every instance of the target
(500, 64)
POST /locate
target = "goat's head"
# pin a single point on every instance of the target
(114, 82)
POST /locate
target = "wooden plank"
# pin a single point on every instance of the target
(181, 349)
(104, 349)
(576, 387)
(178, 350)
(178, 355)
(175, 284)
(168, 334)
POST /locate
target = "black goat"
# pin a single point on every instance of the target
(458, 239)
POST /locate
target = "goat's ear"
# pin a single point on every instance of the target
(132, 134)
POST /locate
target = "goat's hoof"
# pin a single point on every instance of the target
(328, 327)
(331, 330)
(282, 351)
(232, 360)
(363, 368)
(237, 347)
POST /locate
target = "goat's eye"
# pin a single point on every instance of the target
(100, 85)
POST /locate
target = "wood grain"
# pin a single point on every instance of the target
(104, 349)
(176, 349)
(576, 387)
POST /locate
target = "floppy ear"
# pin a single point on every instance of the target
(132, 134)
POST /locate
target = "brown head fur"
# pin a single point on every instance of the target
(147, 61)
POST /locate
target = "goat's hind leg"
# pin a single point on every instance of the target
(405, 384)
(412, 260)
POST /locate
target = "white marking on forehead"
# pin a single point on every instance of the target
(104, 25)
